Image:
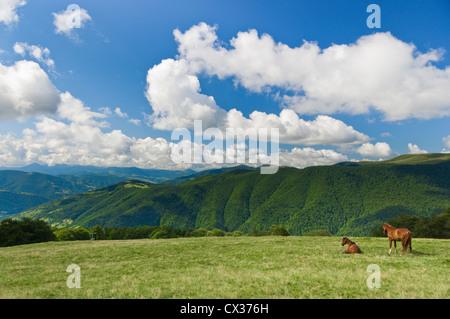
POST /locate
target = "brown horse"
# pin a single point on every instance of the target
(394, 234)
(352, 247)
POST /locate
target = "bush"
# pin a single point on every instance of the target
(68, 234)
(164, 232)
(200, 232)
(215, 233)
(25, 231)
(278, 230)
(236, 233)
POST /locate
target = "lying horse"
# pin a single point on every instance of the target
(352, 247)
(394, 234)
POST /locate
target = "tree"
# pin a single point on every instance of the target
(278, 230)
(67, 234)
(98, 231)
(25, 231)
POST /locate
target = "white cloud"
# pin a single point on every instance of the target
(308, 156)
(174, 94)
(72, 18)
(26, 91)
(173, 91)
(136, 122)
(414, 149)
(119, 113)
(377, 72)
(78, 135)
(37, 52)
(446, 141)
(8, 10)
(294, 130)
(379, 150)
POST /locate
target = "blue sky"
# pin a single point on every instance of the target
(104, 73)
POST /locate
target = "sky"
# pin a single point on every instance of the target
(107, 83)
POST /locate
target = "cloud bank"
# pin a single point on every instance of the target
(377, 72)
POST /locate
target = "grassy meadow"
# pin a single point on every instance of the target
(225, 267)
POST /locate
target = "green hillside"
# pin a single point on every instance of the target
(12, 203)
(349, 200)
(406, 159)
(22, 190)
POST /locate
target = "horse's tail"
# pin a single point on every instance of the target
(409, 243)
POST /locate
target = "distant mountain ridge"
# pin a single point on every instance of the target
(349, 200)
(28, 186)
(125, 173)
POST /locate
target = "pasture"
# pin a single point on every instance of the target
(225, 267)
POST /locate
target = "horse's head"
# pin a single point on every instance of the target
(344, 240)
(385, 228)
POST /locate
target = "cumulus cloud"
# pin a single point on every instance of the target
(303, 157)
(26, 91)
(377, 72)
(68, 20)
(414, 149)
(174, 93)
(378, 150)
(294, 130)
(78, 135)
(8, 11)
(37, 52)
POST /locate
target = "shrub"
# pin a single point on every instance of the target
(67, 234)
(236, 233)
(278, 230)
(215, 233)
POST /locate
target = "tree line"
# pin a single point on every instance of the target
(28, 230)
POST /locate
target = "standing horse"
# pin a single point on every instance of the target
(352, 247)
(394, 234)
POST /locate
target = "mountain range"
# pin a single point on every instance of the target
(348, 198)
(25, 187)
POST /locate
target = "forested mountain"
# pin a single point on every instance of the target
(343, 199)
(22, 190)
(34, 184)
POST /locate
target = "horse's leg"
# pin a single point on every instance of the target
(404, 245)
(390, 246)
(395, 245)
(409, 241)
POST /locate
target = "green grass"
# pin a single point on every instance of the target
(224, 267)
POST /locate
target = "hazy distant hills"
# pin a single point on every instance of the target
(122, 173)
(25, 187)
(343, 199)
